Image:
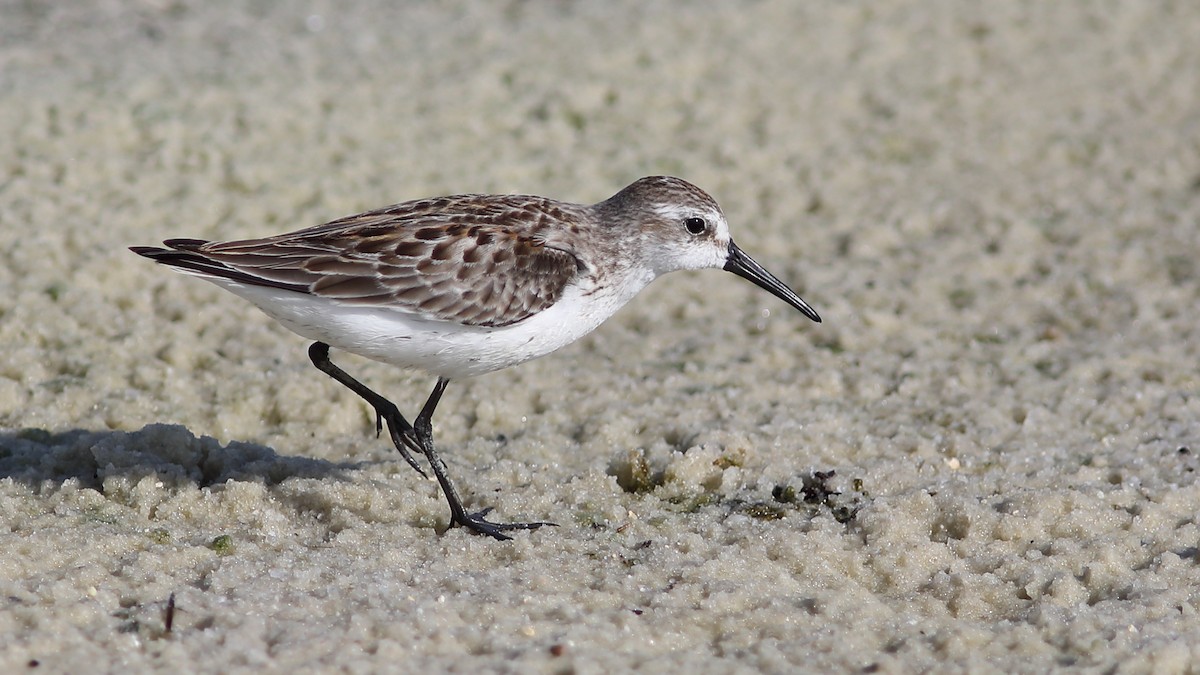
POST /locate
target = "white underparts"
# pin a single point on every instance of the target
(394, 336)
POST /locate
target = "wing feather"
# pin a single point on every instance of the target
(474, 260)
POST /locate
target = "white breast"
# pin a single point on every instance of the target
(445, 349)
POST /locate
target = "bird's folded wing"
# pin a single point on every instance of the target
(468, 272)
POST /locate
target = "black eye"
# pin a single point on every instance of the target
(695, 225)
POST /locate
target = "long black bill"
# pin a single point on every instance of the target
(744, 266)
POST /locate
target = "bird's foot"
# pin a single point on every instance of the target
(478, 524)
(403, 437)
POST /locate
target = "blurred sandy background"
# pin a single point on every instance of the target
(994, 206)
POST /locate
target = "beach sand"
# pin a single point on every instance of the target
(984, 459)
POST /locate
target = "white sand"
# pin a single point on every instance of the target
(996, 211)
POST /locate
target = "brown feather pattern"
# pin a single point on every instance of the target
(470, 259)
(478, 260)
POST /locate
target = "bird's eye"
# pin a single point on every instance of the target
(695, 225)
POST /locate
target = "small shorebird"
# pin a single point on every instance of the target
(464, 285)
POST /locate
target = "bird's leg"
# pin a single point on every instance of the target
(423, 427)
(417, 437)
(399, 429)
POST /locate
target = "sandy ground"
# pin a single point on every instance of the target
(994, 206)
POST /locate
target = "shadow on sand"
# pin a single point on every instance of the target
(171, 452)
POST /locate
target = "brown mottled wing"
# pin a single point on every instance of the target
(474, 260)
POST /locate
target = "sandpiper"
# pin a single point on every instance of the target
(464, 285)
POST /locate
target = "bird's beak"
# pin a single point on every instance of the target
(744, 266)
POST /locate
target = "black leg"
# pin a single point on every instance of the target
(423, 426)
(417, 437)
(399, 429)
